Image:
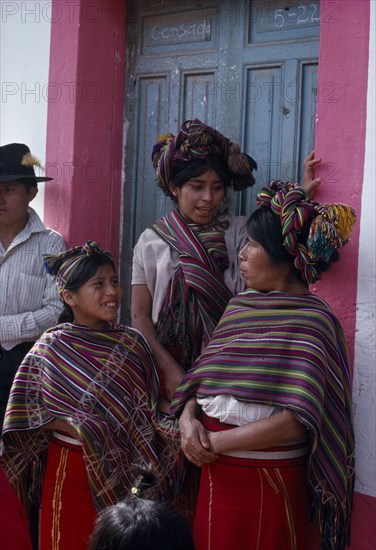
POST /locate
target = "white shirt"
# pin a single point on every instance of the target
(154, 261)
(29, 302)
(229, 410)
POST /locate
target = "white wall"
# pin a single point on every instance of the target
(365, 355)
(24, 65)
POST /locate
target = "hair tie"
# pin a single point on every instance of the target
(64, 265)
(92, 247)
(290, 203)
(53, 263)
(146, 479)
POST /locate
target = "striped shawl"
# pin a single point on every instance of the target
(197, 294)
(289, 350)
(105, 385)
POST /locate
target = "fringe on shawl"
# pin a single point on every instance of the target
(333, 519)
(29, 484)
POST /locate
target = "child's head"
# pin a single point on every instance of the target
(196, 149)
(87, 283)
(140, 524)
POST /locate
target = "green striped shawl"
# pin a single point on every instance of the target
(289, 350)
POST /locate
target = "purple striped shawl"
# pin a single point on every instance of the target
(289, 350)
(105, 385)
(197, 294)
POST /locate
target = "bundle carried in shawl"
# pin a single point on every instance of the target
(289, 350)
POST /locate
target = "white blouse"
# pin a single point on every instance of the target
(154, 261)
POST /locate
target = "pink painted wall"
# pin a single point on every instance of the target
(340, 137)
(363, 528)
(340, 142)
(85, 121)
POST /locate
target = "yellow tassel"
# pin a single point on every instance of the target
(164, 139)
(344, 219)
(29, 160)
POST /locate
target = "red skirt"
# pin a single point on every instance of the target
(67, 512)
(251, 505)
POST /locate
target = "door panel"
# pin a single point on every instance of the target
(277, 21)
(308, 98)
(182, 32)
(198, 96)
(248, 68)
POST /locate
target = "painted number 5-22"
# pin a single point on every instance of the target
(301, 15)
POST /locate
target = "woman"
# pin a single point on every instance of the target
(185, 266)
(266, 409)
(82, 410)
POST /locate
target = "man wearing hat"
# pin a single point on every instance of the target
(29, 303)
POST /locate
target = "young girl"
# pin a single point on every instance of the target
(82, 410)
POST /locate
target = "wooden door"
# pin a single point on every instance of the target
(249, 68)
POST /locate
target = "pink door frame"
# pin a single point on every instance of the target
(85, 121)
(340, 142)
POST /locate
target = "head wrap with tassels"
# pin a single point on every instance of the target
(197, 140)
(331, 225)
(64, 265)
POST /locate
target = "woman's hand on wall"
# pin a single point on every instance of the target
(310, 183)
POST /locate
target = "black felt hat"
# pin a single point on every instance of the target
(17, 163)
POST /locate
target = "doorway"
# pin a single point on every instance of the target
(248, 68)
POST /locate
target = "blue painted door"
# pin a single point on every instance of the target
(249, 68)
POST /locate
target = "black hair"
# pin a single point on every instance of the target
(84, 271)
(184, 171)
(141, 524)
(264, 227)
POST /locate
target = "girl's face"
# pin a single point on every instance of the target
(200, 198)
(97, 301)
